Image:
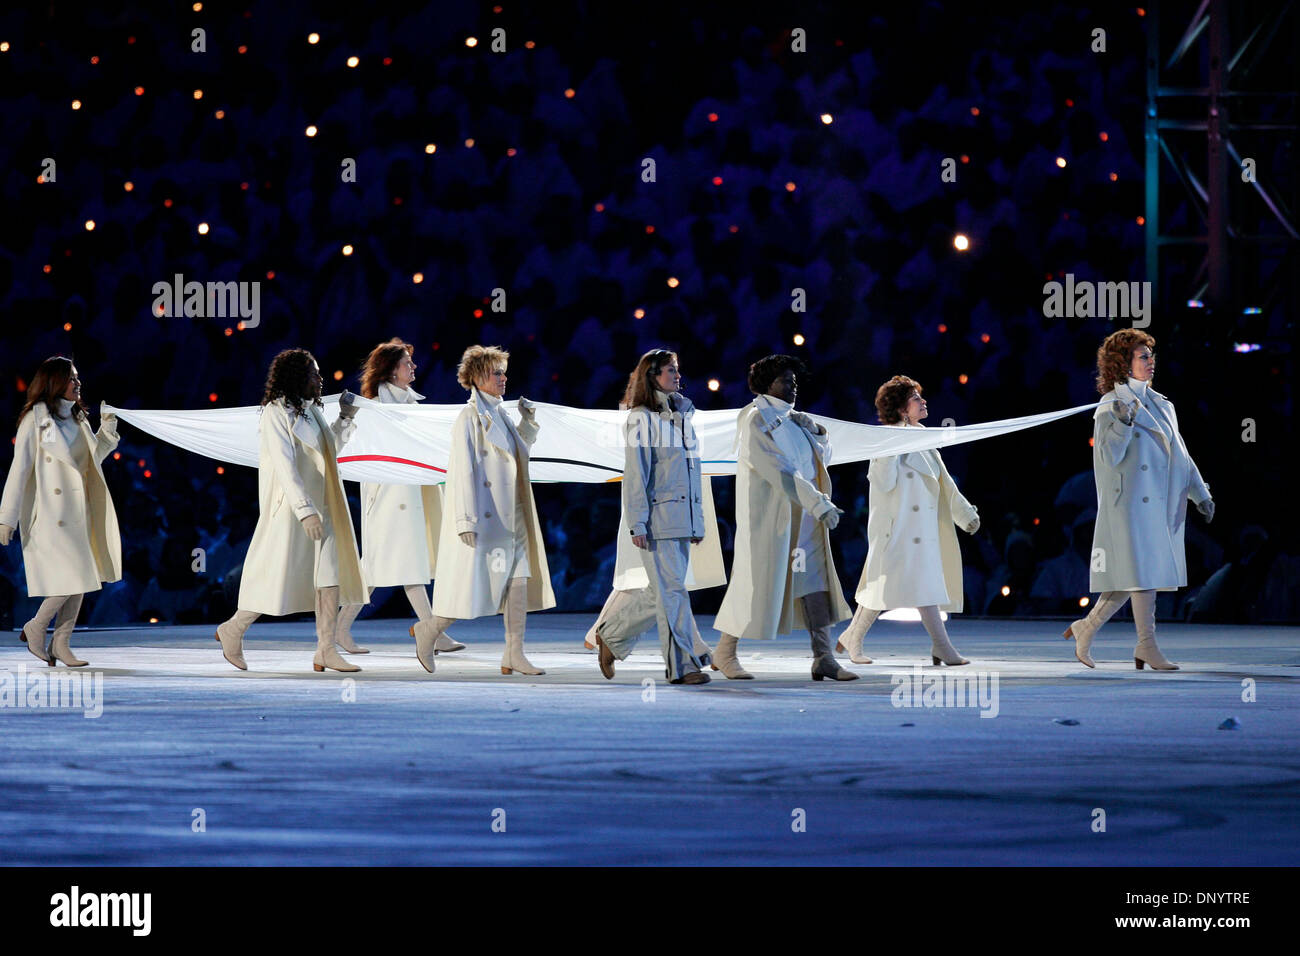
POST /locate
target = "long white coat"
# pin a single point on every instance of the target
(771, 498)
(65, 517)
(482, 492)
(297, 476)
(1144, 482)
(399, 523)
(913, 558)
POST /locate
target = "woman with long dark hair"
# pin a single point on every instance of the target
(303, 555)
(399, 523)
(57, 496)
(663, 510)
(1145, 477)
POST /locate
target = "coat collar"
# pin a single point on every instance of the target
(302, 425)
(390, 394)
(50, 436)
(494, 421)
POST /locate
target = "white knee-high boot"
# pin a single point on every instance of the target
(941, 648)
(516, 612)
(851, 639)
(1144, 616)
(63, 633)
(34, 630)
(327, 617)
(231, 635)
(343, 629)
(1085, 629)
(419, 598)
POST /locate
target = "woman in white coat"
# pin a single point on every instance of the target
(491, 556)
(1144, 477)
(783, 575)
(399, 523)
(913, 558)
(57, 496)
(664, 512)
(303, 555)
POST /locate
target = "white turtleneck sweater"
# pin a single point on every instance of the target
(72, 434)
(1139, 389)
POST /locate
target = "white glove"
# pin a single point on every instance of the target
(314, 527)
(469, 537)
(804, 421)
(831, 516)
(527, 409)
(1206, 508)
(347, 404)
(973, 526)
(6, 534)
(106, 417)
(1126, 412)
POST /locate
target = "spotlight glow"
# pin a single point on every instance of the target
(310, 131)
(714, 385)
(960, 242)
(90, 225)
(353, 61)
(827, 119)
(313, 38)
(347, 250)
(203, 229)
(1060, 162)
(430, 148)
(798, 338)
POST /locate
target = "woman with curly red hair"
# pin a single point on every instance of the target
(400, 524)
(913, 558)
(1145, 477)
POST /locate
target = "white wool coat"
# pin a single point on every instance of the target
(400, 524)
(487, 480)
(65, 517)
(1144, 480)
(913, 558)
(297, 476)
(771, 498)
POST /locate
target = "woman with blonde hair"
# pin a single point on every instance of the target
(57, 496)
(913, 558)
(400, 524)
(1145, 477)
(491, 556)
(663, 510)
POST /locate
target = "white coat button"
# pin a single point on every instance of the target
(60, 524)
(916, 541)
(48, 458)
(916, 507)
(58, 491)
(487, 484)
(401, 507)
(909, 474)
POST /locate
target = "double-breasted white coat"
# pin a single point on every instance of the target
(65, 516)
(1145, 477)
(771, 499)
(400, 524)
(487, 482)
(297, 476)
(913, 558)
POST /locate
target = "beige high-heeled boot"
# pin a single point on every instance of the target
(327, 616)
(67, 620)
(851, 639)
(34, 630)
(343, 630)
(427, 633)
(516, 613)
(231, 635)
(1086, 628)
(1147, 651)
(941, 648)
(724, 659)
